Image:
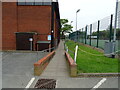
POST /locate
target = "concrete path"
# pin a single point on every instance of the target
(57, 69)
(58, 66)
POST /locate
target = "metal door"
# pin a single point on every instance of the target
(22, 41)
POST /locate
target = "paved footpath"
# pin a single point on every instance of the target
(58, 66)
(57, 69)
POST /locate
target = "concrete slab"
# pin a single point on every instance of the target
(77, 82)
(17, 68)
(110, 83)
(15, 81)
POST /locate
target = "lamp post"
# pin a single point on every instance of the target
(71, 22)
(115, 26)
(76, 22)
(31, 42)
(116, 11)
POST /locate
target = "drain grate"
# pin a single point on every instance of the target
(45, 84)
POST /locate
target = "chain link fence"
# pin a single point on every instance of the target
(97, 33)
(119, 26)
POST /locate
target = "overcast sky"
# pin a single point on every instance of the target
(90, 10)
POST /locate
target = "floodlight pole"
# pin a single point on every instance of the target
(115, 26)
(71, 22)
(115, 20)
(76, 22)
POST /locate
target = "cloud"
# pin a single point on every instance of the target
(90, 10)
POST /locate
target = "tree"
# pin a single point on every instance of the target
(105, 34)
(65, 27)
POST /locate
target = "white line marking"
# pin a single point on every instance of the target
(56, 83)
(30, 82)
(100, 83)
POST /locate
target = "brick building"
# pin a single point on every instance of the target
(30, 24)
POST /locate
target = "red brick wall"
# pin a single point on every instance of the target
(24, 19)
(35, 19)
(9, 25)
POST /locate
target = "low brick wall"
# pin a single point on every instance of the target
(42, 63)
(72, 65)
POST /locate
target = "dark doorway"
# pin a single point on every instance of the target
(22, 41)
(43, 45)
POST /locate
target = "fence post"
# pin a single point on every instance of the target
(67, 49)
(82, 35)
(98, 33)
(76, 50)
(86, 34)
(110, 36)
(77, 36)
(90, 33)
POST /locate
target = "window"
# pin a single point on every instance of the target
(21, 2)
(30, 2)
(34, 2)
(38, 2)
(47, 2)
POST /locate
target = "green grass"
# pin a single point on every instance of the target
(88, 63)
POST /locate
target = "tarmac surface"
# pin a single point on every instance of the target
(17, 71)
(17, 68)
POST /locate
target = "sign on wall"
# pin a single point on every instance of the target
(49, 37)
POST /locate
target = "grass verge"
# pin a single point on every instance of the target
(92, 61)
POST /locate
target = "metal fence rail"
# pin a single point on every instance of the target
(43, 53)
(97, 33)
